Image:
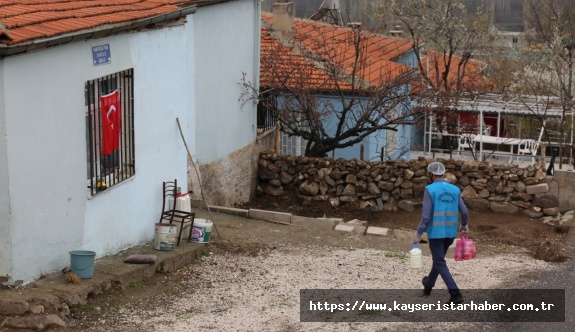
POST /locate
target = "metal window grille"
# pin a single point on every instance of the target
(107, 171)
(266, 118)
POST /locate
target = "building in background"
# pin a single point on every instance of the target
(508, 15)
(291, 60)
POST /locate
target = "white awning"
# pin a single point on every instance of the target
(547, 106)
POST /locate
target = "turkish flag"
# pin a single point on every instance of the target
(111, 122)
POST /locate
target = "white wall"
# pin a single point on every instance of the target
(222, 30)
(5, 226)
(50, 213)
(162, 76)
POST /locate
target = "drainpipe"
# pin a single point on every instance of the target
(257, 40)
(257, 55)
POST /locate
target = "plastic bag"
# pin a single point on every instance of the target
(458, 254)
(464, 248)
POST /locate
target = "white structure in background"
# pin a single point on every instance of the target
(497, 106)
(514, 40)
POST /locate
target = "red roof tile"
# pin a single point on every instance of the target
(281, 68)
(335, 43)
(22, 21)
(472, 81)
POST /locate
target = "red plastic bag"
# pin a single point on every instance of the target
(458, 255)
(464, 248)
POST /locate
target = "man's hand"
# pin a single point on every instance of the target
(463, 229)
(416, 238)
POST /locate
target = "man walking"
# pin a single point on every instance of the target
(442, 204)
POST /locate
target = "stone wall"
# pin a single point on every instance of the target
(231, 180)
(562, 185)
(394, 185)
(227, 181)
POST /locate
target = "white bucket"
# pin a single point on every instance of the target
(185, 232)
(202, 230)
(165, 236)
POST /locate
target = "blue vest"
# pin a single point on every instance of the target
(445, 218)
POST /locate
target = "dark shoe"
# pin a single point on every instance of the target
(455, 299)
(426, 289)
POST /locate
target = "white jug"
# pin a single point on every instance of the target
(415, 256)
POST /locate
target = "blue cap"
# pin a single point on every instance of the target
(416, 245)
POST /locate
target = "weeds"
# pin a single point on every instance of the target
(397, 255)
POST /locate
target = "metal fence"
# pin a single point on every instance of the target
(266, 118)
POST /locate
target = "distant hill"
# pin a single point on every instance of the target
(303, 8)
(351, 10)
(508, 14)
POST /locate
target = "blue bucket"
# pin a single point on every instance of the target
(82, 262)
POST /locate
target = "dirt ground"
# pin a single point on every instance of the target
(488, 229)
(493, 233)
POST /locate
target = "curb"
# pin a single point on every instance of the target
(336, 224)
(109, 271)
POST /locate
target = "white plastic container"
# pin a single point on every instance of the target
(415, 257)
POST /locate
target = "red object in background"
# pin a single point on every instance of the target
(111, 122)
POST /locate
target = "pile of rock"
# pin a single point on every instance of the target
(395, 184)
(562, 222)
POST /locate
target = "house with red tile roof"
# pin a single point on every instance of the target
(386, 59)
(92, 96)
(306, 57)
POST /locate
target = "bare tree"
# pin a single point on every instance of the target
(529, 80)
(446, 36)
(328, 86)
(551, 34)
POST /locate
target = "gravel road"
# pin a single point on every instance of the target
(252, 283)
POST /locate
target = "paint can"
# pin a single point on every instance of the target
(202, 230)
(165, 236)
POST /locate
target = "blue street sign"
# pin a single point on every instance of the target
(101, 55)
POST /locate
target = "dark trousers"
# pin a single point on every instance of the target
(438, 249)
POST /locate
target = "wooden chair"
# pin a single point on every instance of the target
(169, 212)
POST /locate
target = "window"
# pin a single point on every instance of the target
(292, 145)
(110, 130)
(391, 143)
